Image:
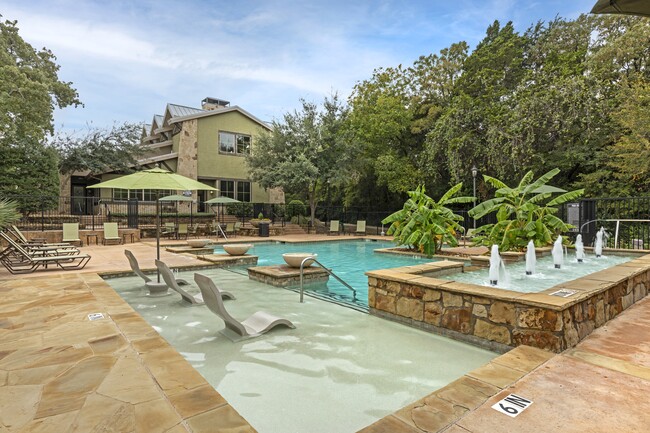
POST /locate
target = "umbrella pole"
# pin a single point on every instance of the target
(157, 234)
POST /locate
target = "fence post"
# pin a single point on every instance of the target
(42, 214)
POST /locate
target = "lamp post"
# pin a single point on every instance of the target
(474, 173)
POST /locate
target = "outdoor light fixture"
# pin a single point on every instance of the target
(474, 173)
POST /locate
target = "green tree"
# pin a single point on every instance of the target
(390, 116)
(471, 130)
(30, 91)
(304, 153)
(424, 224)
(100, 150)
(523, 213)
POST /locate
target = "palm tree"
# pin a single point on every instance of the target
(8, 213)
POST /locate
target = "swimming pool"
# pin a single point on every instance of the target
(338, 371)
(347, 259)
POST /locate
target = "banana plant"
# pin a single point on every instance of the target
(424, 224)
(523, 213)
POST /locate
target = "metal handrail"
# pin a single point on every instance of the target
(302, 265)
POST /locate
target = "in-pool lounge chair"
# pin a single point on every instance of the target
(18, 260)
(71, 233)
(335, 228)
(255, 325)
(361, 228)
(169, 279)
(135, 267)
(111, 233)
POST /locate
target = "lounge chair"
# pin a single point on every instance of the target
(71, 233)
(111, 233)
(361, 228)
(335, 228)
(36, 250)
(18, 260)
(255, 325)
(20, 237)
(135, 267)
(168, 276)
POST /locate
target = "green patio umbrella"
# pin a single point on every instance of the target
(155, 179)
(221, 200)
(624, 7)
(177, 198)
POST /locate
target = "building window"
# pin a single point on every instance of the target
(234, 143)
(244, 191)
(139, 194)
(227, 188)
(243, 144)
(120, 194)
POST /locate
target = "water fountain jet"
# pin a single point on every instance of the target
(598, 248)
(531, 259)
(580, 249)
(495, 261)
(558, 253)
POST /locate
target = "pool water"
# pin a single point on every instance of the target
(339, 371)
(545, 276)
(349, 260)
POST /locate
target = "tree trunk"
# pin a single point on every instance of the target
(312, 205)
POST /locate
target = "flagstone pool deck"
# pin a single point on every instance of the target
(61, 372)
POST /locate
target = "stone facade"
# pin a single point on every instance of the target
(285, 276)
(501, 319)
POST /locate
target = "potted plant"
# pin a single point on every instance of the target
(255, 222)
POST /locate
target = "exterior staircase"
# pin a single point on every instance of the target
(293, 229)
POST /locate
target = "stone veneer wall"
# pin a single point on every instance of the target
(501, 319)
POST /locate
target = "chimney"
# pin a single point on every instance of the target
(214, 103)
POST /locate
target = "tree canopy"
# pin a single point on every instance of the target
(571, 94)
(99, 149)
(304, 153)
(30, 91)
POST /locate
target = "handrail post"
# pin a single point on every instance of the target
(329, 272)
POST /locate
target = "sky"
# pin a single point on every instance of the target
(129, 58)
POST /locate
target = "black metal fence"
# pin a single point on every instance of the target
(626, 220)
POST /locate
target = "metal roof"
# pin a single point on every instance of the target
(180, 110)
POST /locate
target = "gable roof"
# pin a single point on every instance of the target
(207, 113)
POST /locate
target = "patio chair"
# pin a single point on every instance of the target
(169, 230)
(254, 326)
(237, 227)
(182, 231)
(361, 228)
(135, 267)
(71, 233)
(17, 260)
(193, 230)
(169, 279)
(335, 228)
(111, 233)
(230, 229)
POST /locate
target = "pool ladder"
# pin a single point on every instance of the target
(329, 271)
